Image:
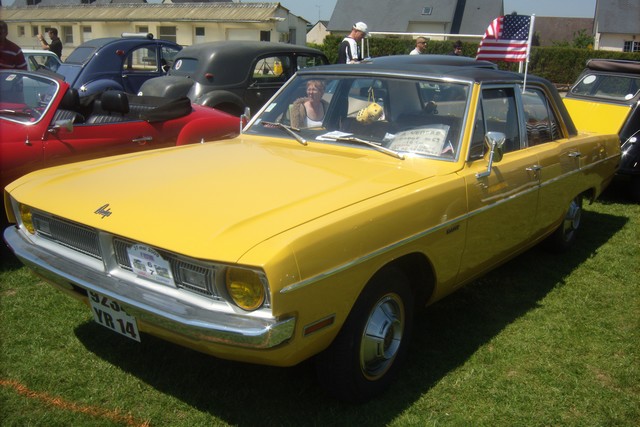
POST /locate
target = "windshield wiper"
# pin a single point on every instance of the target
(289, 129)
(373, 145)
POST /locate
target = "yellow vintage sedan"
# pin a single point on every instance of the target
(357, 194)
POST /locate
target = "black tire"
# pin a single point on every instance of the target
(366, 355)
(565, 235)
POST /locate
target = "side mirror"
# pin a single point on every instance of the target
(62, 124)
(494, 143)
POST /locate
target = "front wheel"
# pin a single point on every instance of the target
(365, 356)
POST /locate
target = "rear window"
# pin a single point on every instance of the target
(611, 87)
(80, 55)
(184, 67)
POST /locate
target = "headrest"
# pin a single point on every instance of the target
(114, 101)
(70, 100)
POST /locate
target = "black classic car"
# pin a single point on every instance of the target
(232, 75)
(611, 89)
(120, 63)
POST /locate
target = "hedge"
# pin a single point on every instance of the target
(561, 65)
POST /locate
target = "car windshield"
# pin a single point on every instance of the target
(400, 116)
(608, 86)
(25, 97)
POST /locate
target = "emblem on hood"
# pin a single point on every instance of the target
(103, 211)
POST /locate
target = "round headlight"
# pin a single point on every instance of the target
(245, 288)
(27, 219)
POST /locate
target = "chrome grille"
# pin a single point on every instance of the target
(186, 274)
(74, 236)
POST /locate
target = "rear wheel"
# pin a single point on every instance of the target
(365, 356)
(565, 235)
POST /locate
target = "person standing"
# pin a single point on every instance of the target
(11, 56)
(349, 50)
(421, 46)
(55, 45)
(457, 49)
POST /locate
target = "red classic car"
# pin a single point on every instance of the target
(44, 123)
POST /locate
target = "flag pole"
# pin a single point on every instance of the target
(526, 68)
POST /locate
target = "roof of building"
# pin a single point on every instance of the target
(212, 12)
(618, 16)
(462, 17)
(554, 29)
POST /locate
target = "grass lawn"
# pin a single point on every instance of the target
(545, 340)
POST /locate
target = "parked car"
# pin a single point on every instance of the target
(611, 88)
(117, 63)
(39, 59)
(322, 238)
(43, 123)
(232, 75)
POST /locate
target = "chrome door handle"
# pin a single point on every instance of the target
(143, 140)
(574, 154)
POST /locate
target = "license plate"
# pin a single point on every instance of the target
(110, 314)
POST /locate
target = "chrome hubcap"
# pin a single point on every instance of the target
(382, 336)
(572, 219)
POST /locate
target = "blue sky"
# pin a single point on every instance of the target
(313, 10)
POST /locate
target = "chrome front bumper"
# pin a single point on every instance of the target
(153, 308)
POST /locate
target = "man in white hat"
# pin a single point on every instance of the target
(349, 51)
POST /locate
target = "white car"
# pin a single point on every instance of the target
(38, 59)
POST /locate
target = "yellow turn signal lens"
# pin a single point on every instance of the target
(27, 220)
(245, 288)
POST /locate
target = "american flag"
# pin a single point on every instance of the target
(506, 39)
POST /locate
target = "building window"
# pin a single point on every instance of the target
(631, 46)
(33, 2)
(21, 31)
(67, 34)
(199, 31)
(168, 33)
(142, 29)
(34, 31)
(427, 10)
(265, 36)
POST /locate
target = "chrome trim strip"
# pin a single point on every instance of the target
(367, 257)
(179, 317)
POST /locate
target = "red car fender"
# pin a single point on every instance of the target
(206, 129)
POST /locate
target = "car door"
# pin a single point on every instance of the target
(88, 141)
(502, 204)
(145, 62)
(559, 157)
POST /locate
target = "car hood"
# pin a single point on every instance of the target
(598, 117)
(218, 200)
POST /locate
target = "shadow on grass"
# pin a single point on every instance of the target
(446, 335)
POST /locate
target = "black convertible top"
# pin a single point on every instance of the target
(614, 65)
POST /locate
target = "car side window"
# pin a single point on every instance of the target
(500, 115)
(142, 59)
(476, 151)
(272, 69)
(541, 123)
(303, 61)
(167, 57)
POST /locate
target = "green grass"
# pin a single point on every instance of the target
(545, 340)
